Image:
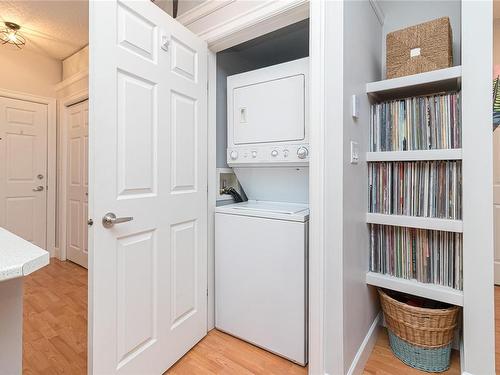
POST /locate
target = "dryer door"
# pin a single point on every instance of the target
(269, 111)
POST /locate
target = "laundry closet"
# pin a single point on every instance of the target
(262, 213)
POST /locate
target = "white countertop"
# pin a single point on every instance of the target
(19, 257)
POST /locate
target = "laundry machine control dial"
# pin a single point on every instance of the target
(234, 155)
(302, 152)
(274, 153)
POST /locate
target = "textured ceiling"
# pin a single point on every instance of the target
(53, 28)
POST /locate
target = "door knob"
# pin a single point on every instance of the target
(38, 188)
(110, 219)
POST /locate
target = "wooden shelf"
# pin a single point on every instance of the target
(445, 154)
(418, 84)
(446, 225)
(416, 288)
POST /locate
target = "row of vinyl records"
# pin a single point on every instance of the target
(416, 123)
(424, 255)
(422, 188)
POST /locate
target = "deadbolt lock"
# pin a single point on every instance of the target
(90, 222)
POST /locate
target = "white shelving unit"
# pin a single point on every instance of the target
(429, 82)
(445, 154)
(448, 79)
(472, 43)
(431, 291)
(431, 223)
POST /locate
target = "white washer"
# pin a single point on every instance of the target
(261, 275)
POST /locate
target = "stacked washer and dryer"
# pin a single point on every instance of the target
(261, 245)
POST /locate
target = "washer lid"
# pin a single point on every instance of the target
(266, 209)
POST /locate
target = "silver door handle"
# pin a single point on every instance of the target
(110, 219)
(38, 188)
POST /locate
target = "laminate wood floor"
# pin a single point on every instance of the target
(55, 320)
(55, 336)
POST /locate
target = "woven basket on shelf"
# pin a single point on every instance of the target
(420, 337)
(420, 48)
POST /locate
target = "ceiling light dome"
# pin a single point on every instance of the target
(10, 35)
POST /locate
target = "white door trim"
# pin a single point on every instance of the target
(243, 30)
(51, 159)
(63, 147)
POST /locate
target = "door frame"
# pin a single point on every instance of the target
(65, 103)
(51, 182)
(235, 31)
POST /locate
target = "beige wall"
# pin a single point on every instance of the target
(496, 41)
(76, 63)
(29, 72)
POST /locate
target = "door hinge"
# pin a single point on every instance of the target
(207, 292)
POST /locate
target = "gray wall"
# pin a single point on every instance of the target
(401, 14)
(363, 30)
(287, 44)
(227, 64)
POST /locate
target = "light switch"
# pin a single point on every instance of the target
(355, 106)
(354, 152)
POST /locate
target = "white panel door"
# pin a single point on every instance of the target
(148, 152)
(77, 183)
(496, 201)
(23, 169)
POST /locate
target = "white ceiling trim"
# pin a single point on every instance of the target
(201, 11)
(222, 32)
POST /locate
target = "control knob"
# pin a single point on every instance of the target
(302, 152)
(274, 153)
(233, 155)
(254, 154)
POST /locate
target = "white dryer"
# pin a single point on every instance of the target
(261, 275)
(261, 245)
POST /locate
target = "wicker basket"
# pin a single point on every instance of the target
(425, 359)
(420, 337)
(419, 48)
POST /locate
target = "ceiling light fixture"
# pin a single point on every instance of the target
(10, 35)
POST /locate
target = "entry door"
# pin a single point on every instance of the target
(23, 169)
(77, 183)
(496, 201)
(148, 153)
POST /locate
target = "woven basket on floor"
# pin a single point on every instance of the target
(420, 48)
(420, 337)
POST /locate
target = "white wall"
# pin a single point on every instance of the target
(76, 63)
(401, 14)
(363, 30)
(29, 72)
(185, 5)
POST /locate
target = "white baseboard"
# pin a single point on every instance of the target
(364, 351)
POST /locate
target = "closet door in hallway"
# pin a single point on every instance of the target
(23, 169)
(77, 183)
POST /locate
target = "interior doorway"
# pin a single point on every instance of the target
(23, 169)
(77, 182)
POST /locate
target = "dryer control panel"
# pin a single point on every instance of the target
(294, 154)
